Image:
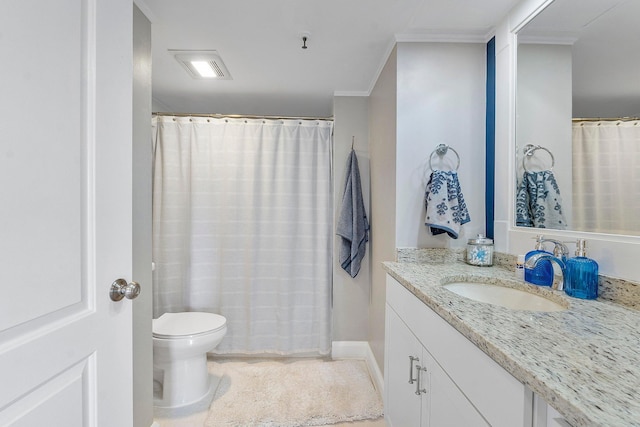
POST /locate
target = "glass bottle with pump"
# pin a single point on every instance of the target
(582, 274)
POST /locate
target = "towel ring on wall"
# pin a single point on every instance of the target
(529, 149)
(441, 150)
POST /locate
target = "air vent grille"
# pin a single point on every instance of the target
(216, 68)
(219, 70)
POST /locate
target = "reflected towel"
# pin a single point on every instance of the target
(353, 226)
(446, 209)
(538, 201)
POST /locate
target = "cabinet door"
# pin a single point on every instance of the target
(449, 407)
(402, 405)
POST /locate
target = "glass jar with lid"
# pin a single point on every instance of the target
(480, 251)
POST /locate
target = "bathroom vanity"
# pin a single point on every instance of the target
(437, 376)
(454, 361)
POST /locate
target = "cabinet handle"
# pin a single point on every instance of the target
(411, 360)
(419, 390)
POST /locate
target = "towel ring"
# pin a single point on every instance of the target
(441, 150)
(529, 149)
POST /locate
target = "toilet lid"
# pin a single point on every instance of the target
(184, 324)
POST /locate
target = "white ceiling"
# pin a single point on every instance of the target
(260, 43)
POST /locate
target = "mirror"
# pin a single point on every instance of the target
(578, 59)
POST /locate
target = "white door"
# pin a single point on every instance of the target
(65, 212)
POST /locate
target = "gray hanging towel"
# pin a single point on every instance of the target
(353, 226)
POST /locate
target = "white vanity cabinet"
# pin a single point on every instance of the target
(461, 385)
(419, 392)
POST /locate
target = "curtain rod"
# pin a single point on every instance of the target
(240, 116)
(604, 119)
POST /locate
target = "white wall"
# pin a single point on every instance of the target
(427, 94)
(543, 113)
(441, 99)
(382, 143)
(350, 295)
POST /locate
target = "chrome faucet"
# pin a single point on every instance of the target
(533, 261)
(560, 250)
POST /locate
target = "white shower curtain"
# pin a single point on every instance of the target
(606, 184)
(242, 220)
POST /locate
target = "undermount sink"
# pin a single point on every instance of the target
(515, 299)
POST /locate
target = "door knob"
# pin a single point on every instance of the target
(121, 289)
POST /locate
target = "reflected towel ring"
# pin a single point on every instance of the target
(441, 150)
(529, 149)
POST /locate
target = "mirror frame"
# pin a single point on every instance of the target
(617, 255)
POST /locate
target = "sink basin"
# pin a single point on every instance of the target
(506, 297)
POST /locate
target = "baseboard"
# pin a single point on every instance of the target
(359, 350)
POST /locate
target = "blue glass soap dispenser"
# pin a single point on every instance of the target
(581, 274)
(542, 273)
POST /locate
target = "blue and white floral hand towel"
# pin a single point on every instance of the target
(446, 209)
(538, 201)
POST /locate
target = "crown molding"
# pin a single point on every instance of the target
(351, 93)
(470, 36)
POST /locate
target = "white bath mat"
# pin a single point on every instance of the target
(292, 393)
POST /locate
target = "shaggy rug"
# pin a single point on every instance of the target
(292, 393)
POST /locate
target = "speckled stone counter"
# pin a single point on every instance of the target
(583, 361)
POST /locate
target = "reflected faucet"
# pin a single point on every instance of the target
(533, 261)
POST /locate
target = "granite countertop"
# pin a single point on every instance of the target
(583, 361)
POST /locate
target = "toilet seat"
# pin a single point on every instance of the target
(187, 324)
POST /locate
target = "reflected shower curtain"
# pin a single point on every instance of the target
(606, 181)
(242, 219)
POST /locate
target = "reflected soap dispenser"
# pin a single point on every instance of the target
(581, 274)
(542, 273)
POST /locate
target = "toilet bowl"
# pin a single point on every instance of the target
(180, 345)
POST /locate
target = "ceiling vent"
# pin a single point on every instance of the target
(202, 64)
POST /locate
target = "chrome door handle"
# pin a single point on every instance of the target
(121, 289)
(419, 390)
(411, 360)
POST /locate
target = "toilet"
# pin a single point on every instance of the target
(180, 345)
